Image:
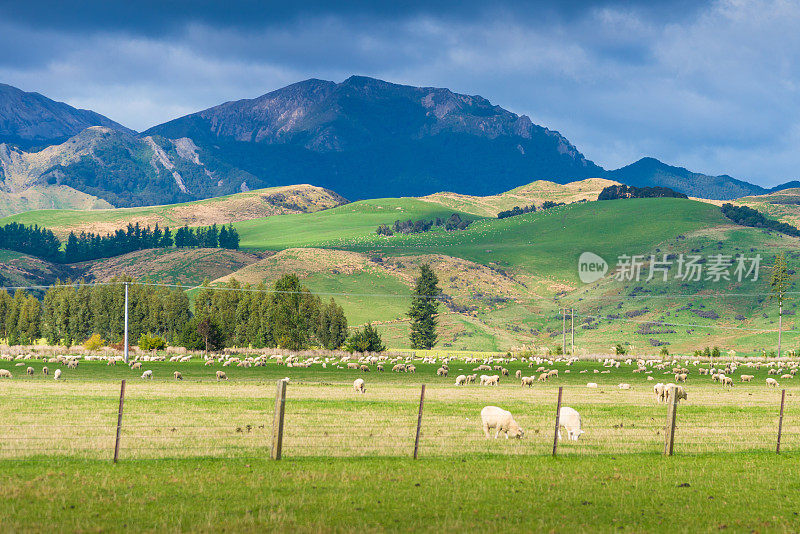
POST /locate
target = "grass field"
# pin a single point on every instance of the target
(194, 454)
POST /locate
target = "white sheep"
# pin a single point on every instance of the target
(461, 380)
(673, 389)
(660, 392)
(57, 374)
(177, 375)
(45, 371)
(5, 373)
(746, 378)
(221, 376)
(148, 374)
(624, 386)
(359, 386)
(500, 420)
(726, 381)
(570, 419)
(528, 380)
(29, 370)
(771, 382)
(591, 385)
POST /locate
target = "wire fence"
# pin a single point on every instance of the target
(333, 420)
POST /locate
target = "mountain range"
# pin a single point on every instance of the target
(363, 138)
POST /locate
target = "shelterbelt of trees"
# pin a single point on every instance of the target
(284, 315)
(86, 246)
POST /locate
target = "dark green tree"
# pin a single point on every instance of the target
(366, 340)
(424, 309)
(332, 326)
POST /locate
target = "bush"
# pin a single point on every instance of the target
(151, 342)
(94, 342)
(620, 350)
(366, 340)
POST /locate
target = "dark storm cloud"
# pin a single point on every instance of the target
(712, 86)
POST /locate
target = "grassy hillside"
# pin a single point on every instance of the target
(782, 205)
(350, 223)
(41, 197)
(535, 193)
(221, 210)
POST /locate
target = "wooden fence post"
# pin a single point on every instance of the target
(780, 422)
(672, 412)
(419, 420)
(119, 419)
(277, 420)
(558, 420)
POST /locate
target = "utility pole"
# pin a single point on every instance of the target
(572, 326)
(126, 322)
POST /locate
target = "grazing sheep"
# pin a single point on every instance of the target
(136, 365)
(399, 368)
(624, 386)
(673, 389)
(72, 364)
(500, 420)
(364, 368)
(504, 371)
(727, 381)
(542, 377)
(771, 382)
(221, 376)
(29, 370)
(528, 380)
(209, 362)
(379, 368)
(352, 365)
(45, 371)
(461, 380)
(681, 377)
(660, 392)
(746, 378)
(5, 373)
(552, 373)
(518, 374)
(411, 369)
(57, 374)
(177, 375)
(359, 386)
(571, 421)
(471, 379)
(782, 376)
(591, 385)
(441, 371)
(148, 374)
(715, 377)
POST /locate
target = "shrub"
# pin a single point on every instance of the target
(94, 342)
(366, 340)
(151, 342)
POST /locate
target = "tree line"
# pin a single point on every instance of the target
(451, 224)
(614, 192)
(750, 217)
(285, 314)
(85, 246)
(516, 210)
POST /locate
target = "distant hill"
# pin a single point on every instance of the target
(366, 138)
(31, 120)
(649, 172)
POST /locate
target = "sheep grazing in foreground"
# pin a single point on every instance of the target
(674, 389)
(29, 371)
(57, 374)
(148, 374)
(746, 378)
(5, 373)
(592, 385)
(660, 392)
(359, 386)
(518, 374)
(221, 376)
(441, 371)
(570, 419)
(493, 380)
(472, 378)
(527, 381)
(177, 375)
(782, 376)
(543, 377)
(772, 383)
(500, 420)
(461, 380)
(380, 367)
(45, 371)
(136, 365)
(624, 386)
(364, 368)
(681, 377)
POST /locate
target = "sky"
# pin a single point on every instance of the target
(710, 86)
